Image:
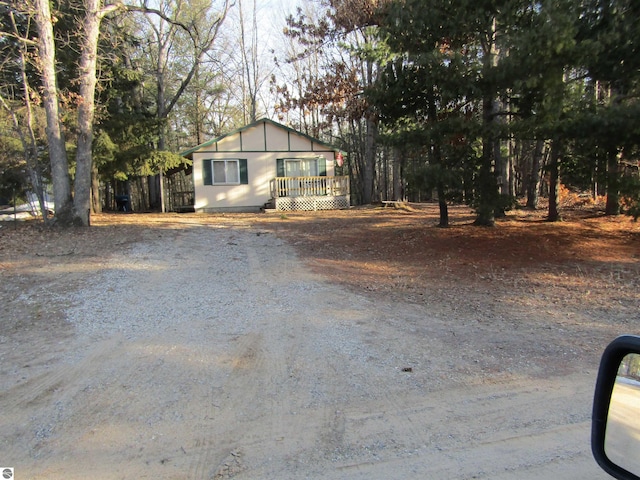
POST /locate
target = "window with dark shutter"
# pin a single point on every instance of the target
(207, 173)
(225, 172)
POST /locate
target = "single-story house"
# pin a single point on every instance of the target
(266, 165)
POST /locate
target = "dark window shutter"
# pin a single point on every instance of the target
(244, 173)
(206, 172)
(280, 167)
(322, 167)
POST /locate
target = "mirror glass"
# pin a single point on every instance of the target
(622, 437)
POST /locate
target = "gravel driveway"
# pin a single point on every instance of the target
(210, 352)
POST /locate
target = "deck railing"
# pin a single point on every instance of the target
(309, 186)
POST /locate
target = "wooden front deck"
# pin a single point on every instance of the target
(310, 193)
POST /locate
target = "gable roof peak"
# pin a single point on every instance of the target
(188, 153)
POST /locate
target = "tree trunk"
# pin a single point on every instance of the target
(55, 137)
(369, 161)
(87, 70)
(502, 166)
(554, 182)
(613, 183)
(199, 127)
(155, 181)
(487, 187)
(161, 177)
(533, 186)
(370, 147)
(442, 205)
(487, 192)
(512, 166)
(397, 162)
(437, 160)
(96, 204)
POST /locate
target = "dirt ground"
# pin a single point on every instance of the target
(365, 343)
(549, 276)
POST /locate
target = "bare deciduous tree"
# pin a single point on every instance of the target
(55, 137)
(25, 129)
(94, 14)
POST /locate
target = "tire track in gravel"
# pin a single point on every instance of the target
(35, 408)
(446, 440)
(133, 386)
(253, 409)
(440, 432)
(288, 398)
(317, 375)
(226, 347)
(216, 354)
(240, 372)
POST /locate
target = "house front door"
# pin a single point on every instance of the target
(292, 168)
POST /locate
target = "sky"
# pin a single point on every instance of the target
(279, 9)
(272, 16)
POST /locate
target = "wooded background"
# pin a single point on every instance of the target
(487, 102)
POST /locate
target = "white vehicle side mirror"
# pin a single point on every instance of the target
(615, 430)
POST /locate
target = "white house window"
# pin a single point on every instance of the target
(305, 167)
(225, 171)
(301, 167)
